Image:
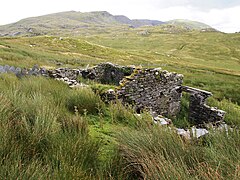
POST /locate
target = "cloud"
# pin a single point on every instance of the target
(226, 19)
(202, 5)
(221, 14)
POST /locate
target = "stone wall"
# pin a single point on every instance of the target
(20, 72)
(199, 112)
(154, 89)
(64, 73)
(107, 73)
(67, 75)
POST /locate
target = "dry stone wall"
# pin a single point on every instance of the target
(154, 89)
(67, 75)
(199, 112)
(21, 72)
(64, 73)
(107, 73)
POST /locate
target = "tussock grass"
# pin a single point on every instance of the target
(47, 132)
(85, 101)
(158, 153)
(122, 114)
(39, 138)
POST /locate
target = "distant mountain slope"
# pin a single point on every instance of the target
(78, 23)
(189, 24)
(70, 21)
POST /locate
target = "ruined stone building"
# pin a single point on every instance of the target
(156, 90)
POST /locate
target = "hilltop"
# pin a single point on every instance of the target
(189, 24)
(74, 23)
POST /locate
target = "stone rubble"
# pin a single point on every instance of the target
(161, 120)
(192, 133)
(68, 76)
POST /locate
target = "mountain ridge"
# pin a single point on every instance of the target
(74, 21)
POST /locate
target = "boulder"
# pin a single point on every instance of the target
(6, 67)
(2, 69)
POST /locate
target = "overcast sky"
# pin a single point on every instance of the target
(221, 14)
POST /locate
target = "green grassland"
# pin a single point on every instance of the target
(208, 60)
(48, 131)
